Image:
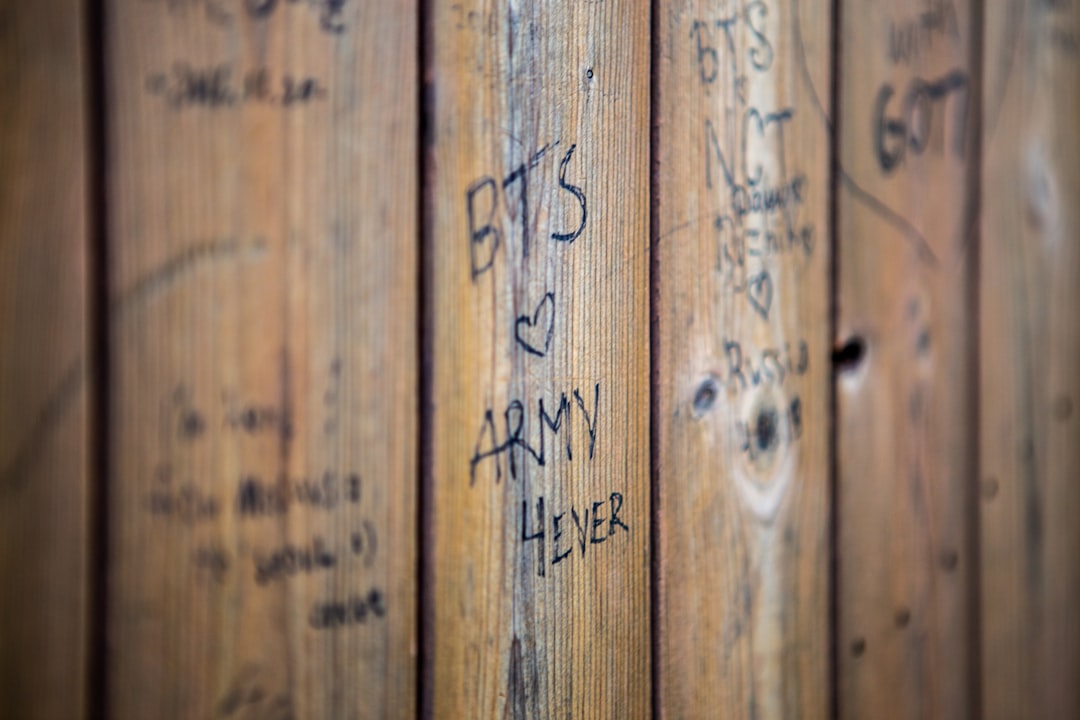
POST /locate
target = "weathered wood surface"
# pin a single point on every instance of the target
(537, 256)
(262, 185)
(265, 431)
(1029, 294)
(905, 432)
(45, 377)
(742, 193)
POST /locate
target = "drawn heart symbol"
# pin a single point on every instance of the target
(525, 329)
(759, 292)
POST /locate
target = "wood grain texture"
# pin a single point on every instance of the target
(263, 286)
(905, 430)
(538, 342)
(743, 358)
(44, 368)
(1029, 292)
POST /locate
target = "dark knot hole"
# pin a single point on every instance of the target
(849, 356)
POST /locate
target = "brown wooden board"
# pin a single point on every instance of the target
(262, 187)
(537, 256)
(1030, 361)
(905, 430)
(45, 363)
(742, 198)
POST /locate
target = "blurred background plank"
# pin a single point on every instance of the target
(537, 274)
(905, 391)
(743, 358)
(45, 376)
(1029, 294)
(263, 179)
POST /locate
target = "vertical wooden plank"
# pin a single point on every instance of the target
(743, 187)
(44, 351)
(904, 395)
(1030, 361)
(537, 268)
(262, 188)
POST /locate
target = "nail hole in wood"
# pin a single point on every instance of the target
(849, 356)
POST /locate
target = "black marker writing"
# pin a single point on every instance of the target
(329, 11)
(736, 244)
(893, 136)
(482, 203)
(577, 193)
(213, 559)
(290, 560)
(759, 52)
(759, 293)
(491, 446)
(534, 333)
(734, 173)
(748, 368)
(212, 87)
(256, 497)
(907, 40)
(356, 610)
(592, 524)
(188, 505)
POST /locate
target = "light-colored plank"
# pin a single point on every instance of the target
(538, 595)
(263, 283)
(1029, 293)
(44, 368)
(905, 431)
(743, 352)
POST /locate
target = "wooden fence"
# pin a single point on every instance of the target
(696, 360)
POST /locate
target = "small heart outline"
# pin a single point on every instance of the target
(759, 292)
(532, 322)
